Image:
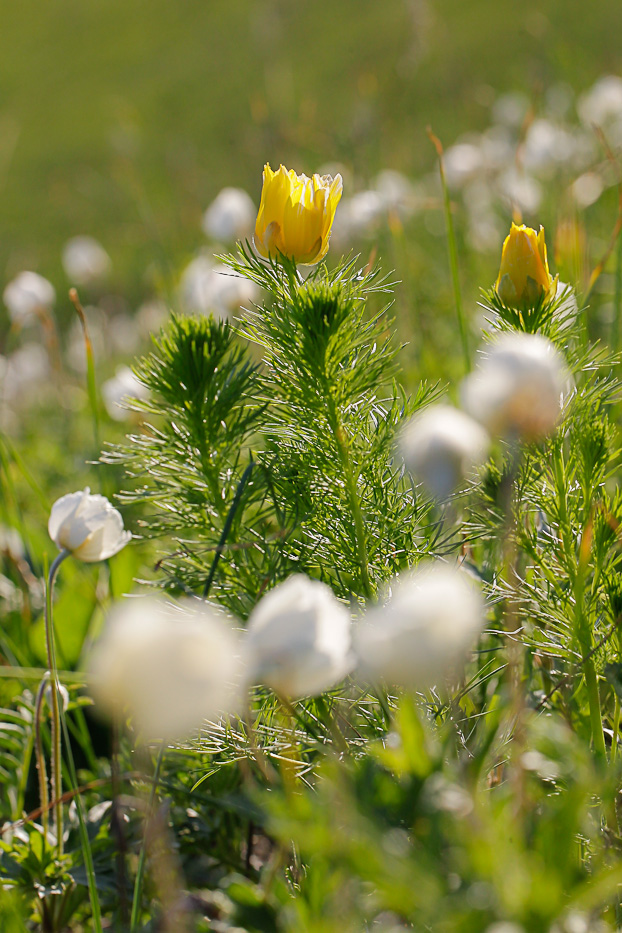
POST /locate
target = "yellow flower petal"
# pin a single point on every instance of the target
(296, 214)
(524, 275)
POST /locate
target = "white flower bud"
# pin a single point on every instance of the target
(87, 526)
(441, 445)
(170, 666)
(27, 294)
(230, 216)
(431, 618)
(85, 260)
(517, 388)
(298, 639)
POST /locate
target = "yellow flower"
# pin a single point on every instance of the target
(296, 214)
(524, 275)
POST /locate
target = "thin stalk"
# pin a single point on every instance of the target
(227, 527)
(267, 770)
(15, 672)
(616, 727)
(584, 636)
(91, 381)
(616, 324)
(591, 682)
(453, 253)
(140, 871)
(84, 836)
(23, 782)
(40, 757)
(57, 767)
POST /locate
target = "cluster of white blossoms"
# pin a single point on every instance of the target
(29, 294)
(515, 393)
(517, 390)
(171, 666)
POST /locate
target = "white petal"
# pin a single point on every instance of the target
(62, 509)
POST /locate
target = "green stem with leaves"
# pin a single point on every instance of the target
(44, 798)
(57, 771)
(353, 498)
(140, 871)
(584, 636)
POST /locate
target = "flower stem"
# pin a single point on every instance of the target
(616, 727)
(584, 635)
(355, 507)
(57, 769)
(84, 836)
(40, 757)
(227, 527)
(140, 871)
(591, 682)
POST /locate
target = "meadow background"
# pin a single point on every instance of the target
(125, 120)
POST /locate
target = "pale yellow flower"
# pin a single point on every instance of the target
(296, 215)
(524, 275)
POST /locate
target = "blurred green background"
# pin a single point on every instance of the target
(124, 119)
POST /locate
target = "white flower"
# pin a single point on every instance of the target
(518, 387)
(602, 105)
(510, 109)
(85, 261)
(298, 639)
(11, 543)
(88, 526)
(118, 389)
(206, 287)
(587, 188)
(171, 666)
(398, 192)
(424, 630)
(23, 372)
(358, 216)
(230, 216)
(151, 316)
(441, 445)
(27, 294)
(462, 162)
(122, 333)
(520, 189)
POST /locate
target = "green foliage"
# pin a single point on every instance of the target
(255, 472)
(402, 834)
(329, 368)
(192, 464)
